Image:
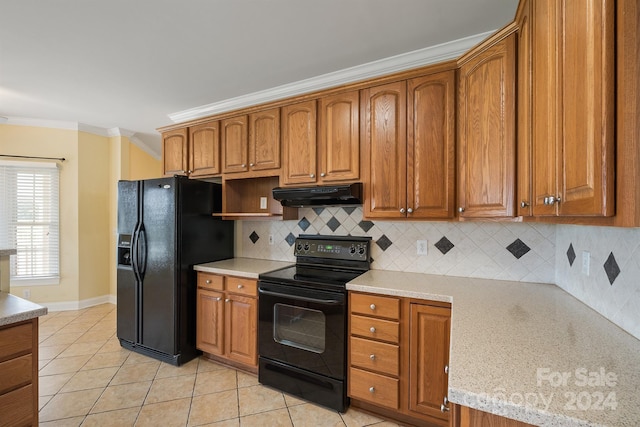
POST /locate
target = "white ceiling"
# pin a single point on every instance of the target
(128, 64)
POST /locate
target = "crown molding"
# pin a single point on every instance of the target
(393, 64)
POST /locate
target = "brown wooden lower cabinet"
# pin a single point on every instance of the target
(398, 356)
(463, 416)
(19, 374)
(227, 319)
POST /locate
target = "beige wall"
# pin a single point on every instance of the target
(88, 205)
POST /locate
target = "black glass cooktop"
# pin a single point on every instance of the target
(332, 278)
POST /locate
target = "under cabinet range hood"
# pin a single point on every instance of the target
(326, 195)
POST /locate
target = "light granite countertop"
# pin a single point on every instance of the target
(528, 351)
(250, 268)
(14, 309)
(6, 252)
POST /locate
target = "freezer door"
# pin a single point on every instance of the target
(158, 256)
(127, 324)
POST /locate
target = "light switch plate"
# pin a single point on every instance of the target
(263, 203)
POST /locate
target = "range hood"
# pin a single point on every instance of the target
(326, 195)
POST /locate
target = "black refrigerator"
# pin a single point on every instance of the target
(165, 227)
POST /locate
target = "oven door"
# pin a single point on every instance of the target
(302, 327)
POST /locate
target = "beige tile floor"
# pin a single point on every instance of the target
(87, 379)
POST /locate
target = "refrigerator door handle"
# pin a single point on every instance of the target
(134, 254)
(142, 250)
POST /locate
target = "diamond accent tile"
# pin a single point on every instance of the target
(349, 209)
(444, 245)
(383, 242)
(254, 237)
(304, 223)
(611, 268)
(318, 211)
(518, 248)
(571, 254)
(333, 223)
(366, 225)
(290, 239)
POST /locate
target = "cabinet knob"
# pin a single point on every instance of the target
(227, 300)
(312, 175)
(446, 369)
(217, 299)
(524, 204)
(444, 408)
(251, 164)
(410, 210)
(372, 306)
(189, 172)
(372, 330)
(243, 165)
(401, 210)
(208, 281)
(240, 286)
(182, 171)
(372, 356)
(446, 400)
(323, 174)
(372, 389)
(460, 209)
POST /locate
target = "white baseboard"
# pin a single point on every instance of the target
(78, 305)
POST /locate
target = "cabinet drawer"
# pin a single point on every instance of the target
(374, 388)
(17, 407)
(210, 281)
(375, 305)
(379, 329)
(237, 285)
(15, 373)
(15, 340)
(377, 356)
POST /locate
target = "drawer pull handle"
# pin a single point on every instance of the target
(240, 286)
(373, 389)
(372, 356)
(208, 281)
(372, 306)
(372, 330)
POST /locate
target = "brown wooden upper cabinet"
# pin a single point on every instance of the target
(486, 129)
(572, 96)
(204, 150)
(251, 142)
(409, 148)
(322, 141)
(175, 152)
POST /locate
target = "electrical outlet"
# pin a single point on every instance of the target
(26, 293)
(271, 239)
(263, 203)
(586, 262)
(421, 247)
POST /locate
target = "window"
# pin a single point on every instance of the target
(29, 220)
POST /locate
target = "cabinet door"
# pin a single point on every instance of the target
(235, 154)
(299, 143)
(385, 150)
(264, 140)
(466, 417)
(241, 322)
(210, 322)
(339, 137)
(431, 146)
(588, 96)
(524, 170)
(429, 330)
(204, 150)
(175, 149)
(487, 132)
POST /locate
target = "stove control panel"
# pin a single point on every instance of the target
(343, 249)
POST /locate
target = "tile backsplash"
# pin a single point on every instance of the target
(612, 285)
(507, 251)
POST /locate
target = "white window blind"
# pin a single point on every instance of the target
(29, 220)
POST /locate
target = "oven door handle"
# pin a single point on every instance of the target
(300, 298)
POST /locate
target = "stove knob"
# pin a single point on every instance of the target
(361, 251)
(299, 246)
(306, 247)
(352, 250)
